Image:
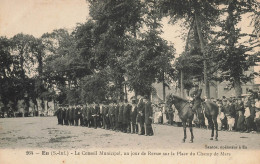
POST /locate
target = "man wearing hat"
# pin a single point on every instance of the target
(148, 110)
(126, 117)
(239, 107)
(121, 116)
(250, 115)
(140, 116)
(257, 116)
(133, 115)
(111, 115)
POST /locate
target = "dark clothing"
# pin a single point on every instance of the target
(121, 117)
(133, 115)
(66, 120)
(140, 117)
(76, 116)
(58, 114)
(229, 110)
(170, 115)
(148, 120)
(111, 114)
(116, 117)
(95, 113)
(239, 108)
(126, 118)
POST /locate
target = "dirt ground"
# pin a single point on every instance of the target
(43, 132)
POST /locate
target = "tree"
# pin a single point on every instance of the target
(234, 56)
(203, 14)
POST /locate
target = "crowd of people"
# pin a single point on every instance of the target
(135, 117)
(235, 114)
(239, 114)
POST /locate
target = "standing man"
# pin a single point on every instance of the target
(121, 116)
(140, 116)
(170, 115)
(58, 114)
(148, 117)
(133, 115)
(76, 114)
(111, 115)
(89, 115)
(126, 120)
(117, 106)
(106, 116)
(239, 107)
(66, 115)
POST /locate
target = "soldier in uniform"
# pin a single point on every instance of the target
(148, 117)
(195, 94)
(133, 115)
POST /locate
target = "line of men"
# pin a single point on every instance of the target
(239, 114)
(122, 116)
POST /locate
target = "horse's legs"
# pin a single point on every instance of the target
(184, 130)
(216, 126)
(212, 127)
(191, 132)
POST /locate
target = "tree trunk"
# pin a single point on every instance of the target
(126, 93)
(205, 66)
(237, 87)
(164, 92)
(182, 85)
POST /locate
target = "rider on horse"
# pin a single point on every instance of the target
(195, 93)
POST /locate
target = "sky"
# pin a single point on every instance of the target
(36, 17)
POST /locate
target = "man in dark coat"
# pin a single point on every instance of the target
(117, 106)
(81, 115)
(111, 114)
(58, 114)
(239, 108)
(95, 112)
(126, 117)
(84, 115)
(133, 115)
(106, 116)
(71, 115)
(148, 118)
(63, 115)
(102, 110)
(170, 116)
(76, 115)
(140, 116)
(66, 120)
(121, 116)
(89, 115)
